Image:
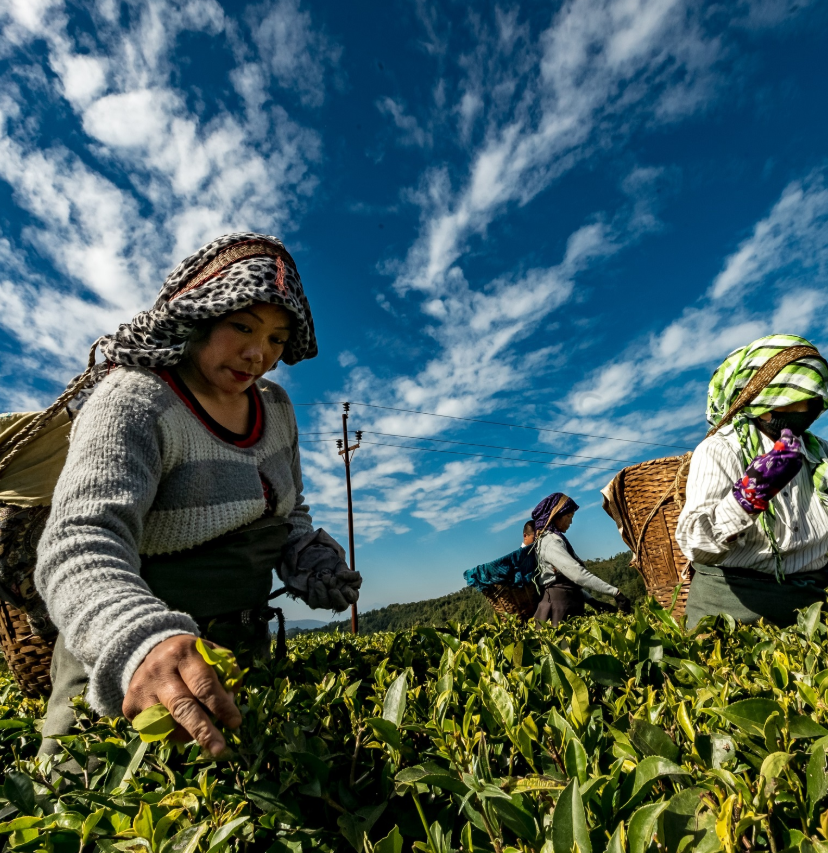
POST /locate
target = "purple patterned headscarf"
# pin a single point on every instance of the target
(556, 505)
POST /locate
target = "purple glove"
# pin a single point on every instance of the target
(768, 474)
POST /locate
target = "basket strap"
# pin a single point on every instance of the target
(762, 378)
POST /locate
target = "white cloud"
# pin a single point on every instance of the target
(189, 179)
(411, 134)
(784, 262)
(792, 238)
(601, 68)
(293, 48)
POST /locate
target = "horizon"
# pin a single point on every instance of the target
(558, 216)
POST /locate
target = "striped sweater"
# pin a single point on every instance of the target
(144, 476)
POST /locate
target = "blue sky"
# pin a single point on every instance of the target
(554, 215)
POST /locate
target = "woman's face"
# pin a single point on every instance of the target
(242, 347)
(564, 522)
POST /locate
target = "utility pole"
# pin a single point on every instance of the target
(346, 451)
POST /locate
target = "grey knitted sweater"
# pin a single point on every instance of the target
(144, 476)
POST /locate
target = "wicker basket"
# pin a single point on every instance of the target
(645, 501)
(26, 632)
(29, 656)
(520, 601)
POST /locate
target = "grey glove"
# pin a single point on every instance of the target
(314, 569)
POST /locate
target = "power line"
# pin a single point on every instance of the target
(492, 446)
(473, 444)
(501, 423)
(477, 455)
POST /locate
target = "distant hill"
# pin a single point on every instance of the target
(468, 603)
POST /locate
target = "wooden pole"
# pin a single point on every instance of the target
(346, 455)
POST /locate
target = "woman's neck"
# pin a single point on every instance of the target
(231, 410)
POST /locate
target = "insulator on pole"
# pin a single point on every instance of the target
(339, 443)
(359, 435)
(346, 407)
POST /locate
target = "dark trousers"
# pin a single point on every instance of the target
(559, 602)
(749, 596)
(68, 680)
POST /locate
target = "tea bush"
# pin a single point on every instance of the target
(616, 733)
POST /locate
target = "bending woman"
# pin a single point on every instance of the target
(564, 579)
(755, 522)
(181, 492)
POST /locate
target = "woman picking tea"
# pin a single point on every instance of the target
(755, 521)
(563, 578)
(182, 492)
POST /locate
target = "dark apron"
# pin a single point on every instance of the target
(561, 600)
(224, 584)
(748, 595)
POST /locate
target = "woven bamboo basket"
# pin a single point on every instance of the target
(645, 501)
(27, 653)
(513, 601)
(29, 656)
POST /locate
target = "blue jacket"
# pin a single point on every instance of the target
(515, 569)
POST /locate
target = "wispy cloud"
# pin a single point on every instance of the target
(784, 261)
(155, 173)
(528, 109)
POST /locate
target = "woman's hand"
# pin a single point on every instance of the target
(176, 675)
(768, 474)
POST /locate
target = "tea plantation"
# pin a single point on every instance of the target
(608, 734)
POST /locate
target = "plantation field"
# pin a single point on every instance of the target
(609, 733)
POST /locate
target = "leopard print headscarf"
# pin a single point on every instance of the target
(228, 274)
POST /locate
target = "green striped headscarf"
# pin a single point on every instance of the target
(801, 380)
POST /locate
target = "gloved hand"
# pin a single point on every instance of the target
(314, 569)
(624, 604)
(768, 474)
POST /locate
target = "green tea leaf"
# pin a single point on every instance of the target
(816, 779)
(224, 832)
(605, 669)
(19, 790)
(774, 764)
(651, 740)
(642, 826)
(154, 723)
(647, 771)
(715, 750)
(185, 841)
(393, 708)
(803, 726)
(575, 760)
(808, 619)
(750, 714)
(386, 731)
(391, 843)
(569, 822)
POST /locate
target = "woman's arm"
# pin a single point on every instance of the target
(552, 551)
(88, 559)
(712, 519)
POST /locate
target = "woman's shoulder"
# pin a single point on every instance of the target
(724, 441)
(132, 391)
(273, 393)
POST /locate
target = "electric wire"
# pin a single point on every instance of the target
(462, 453)
(501, 423)
(494, 446)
